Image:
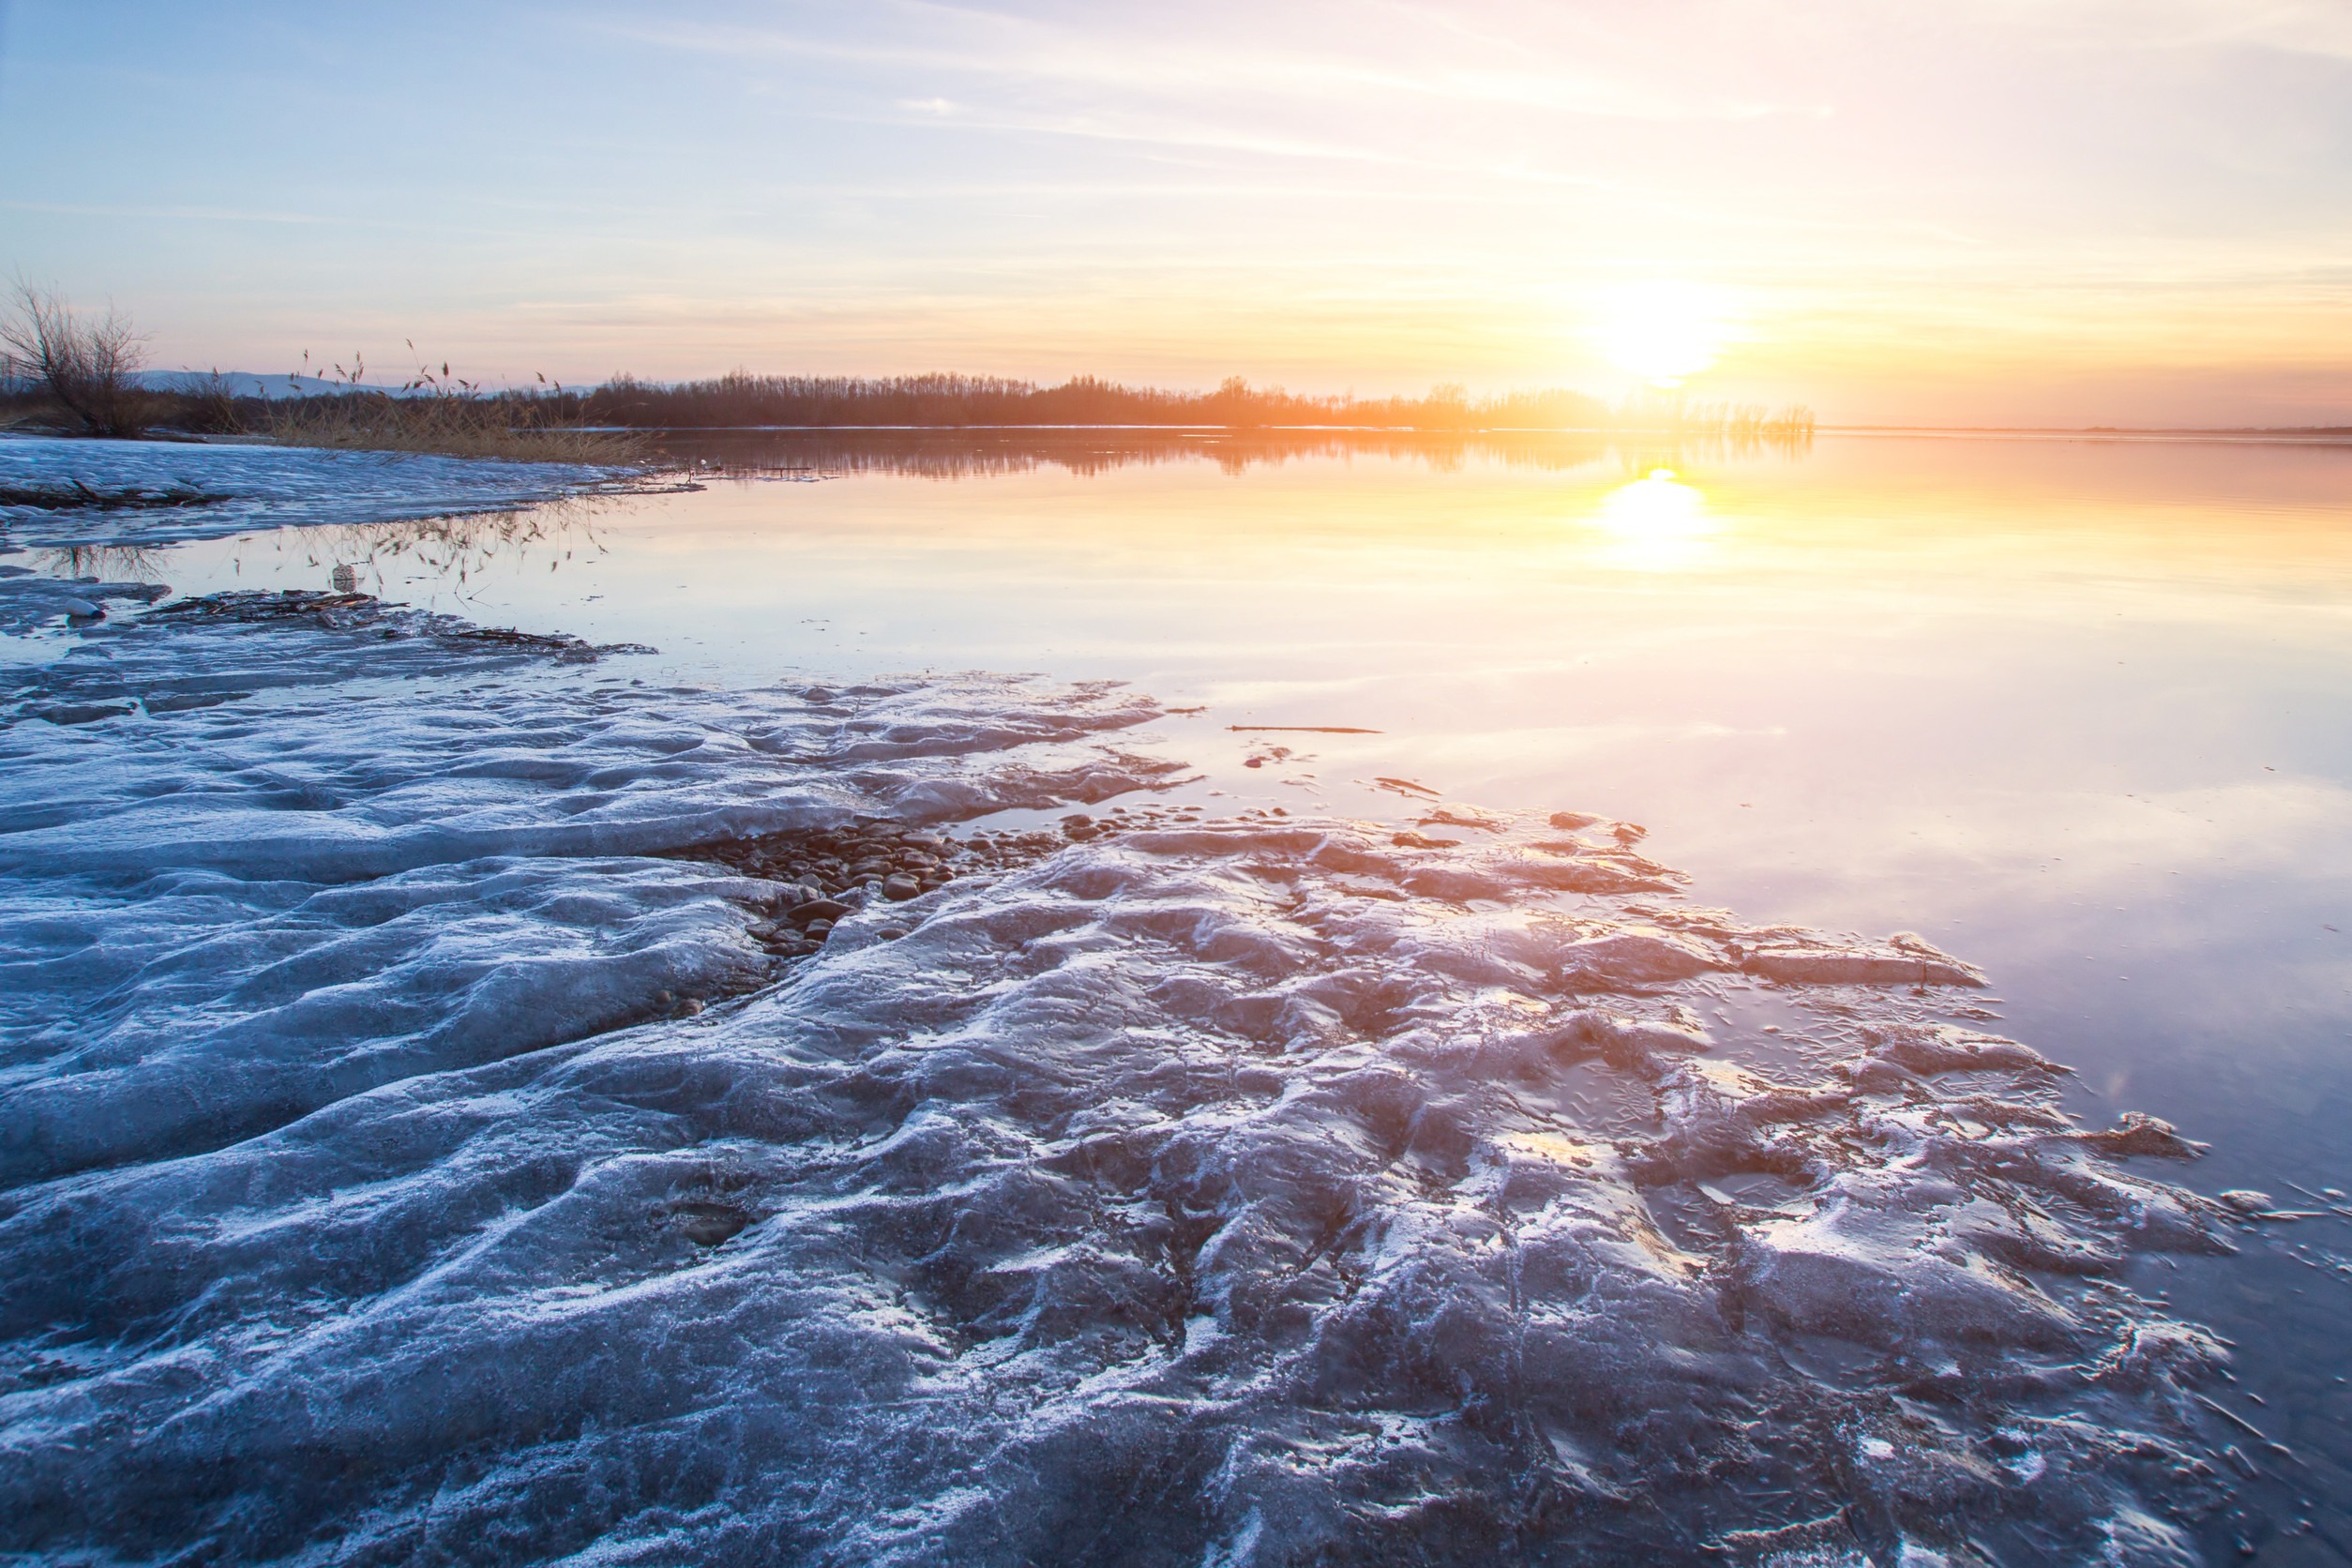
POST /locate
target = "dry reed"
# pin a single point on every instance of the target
(454, 425)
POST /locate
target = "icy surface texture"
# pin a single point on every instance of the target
(29, 601)
(153, 664)
(215, 918)
(379, 1188)
(149, 492)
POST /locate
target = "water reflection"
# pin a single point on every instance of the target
(1655, 525)
(441, 554)
(956, 454)
(112, 563)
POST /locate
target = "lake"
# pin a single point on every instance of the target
(2076, 711)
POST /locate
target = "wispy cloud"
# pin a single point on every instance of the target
(1364, 56)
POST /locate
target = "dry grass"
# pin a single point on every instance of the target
(452, 425)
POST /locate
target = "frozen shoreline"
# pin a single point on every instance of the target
(249, 487)
(1206, 1190)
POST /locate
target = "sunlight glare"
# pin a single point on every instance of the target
(1660, 331)
(1656, 523)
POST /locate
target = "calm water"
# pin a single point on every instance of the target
(2079, 711)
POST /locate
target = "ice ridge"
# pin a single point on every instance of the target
(1243, 1190)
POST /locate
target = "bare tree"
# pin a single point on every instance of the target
(90, 366)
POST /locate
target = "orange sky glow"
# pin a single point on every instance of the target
(2030, 212)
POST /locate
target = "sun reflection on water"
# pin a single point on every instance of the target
(1656, 523)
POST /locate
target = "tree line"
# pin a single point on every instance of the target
(741, 400)
(83, 373)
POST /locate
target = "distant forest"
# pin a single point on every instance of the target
(66, 376)
(86, 372)
(743, 400)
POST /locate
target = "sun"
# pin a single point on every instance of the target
(1660, 331)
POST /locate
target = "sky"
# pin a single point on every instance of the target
(2009, 212)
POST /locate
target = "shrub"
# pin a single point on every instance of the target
(88, 367)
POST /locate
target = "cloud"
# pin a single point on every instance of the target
(1423, 190)
(1355, 54)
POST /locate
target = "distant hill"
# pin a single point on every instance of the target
(248, 383)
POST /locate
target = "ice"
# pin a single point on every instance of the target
(410, 1153)
(28, 601)
(339, 770)
(413, 875)
(115, 670)
(210, 490)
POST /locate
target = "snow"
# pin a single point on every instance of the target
(255, 486)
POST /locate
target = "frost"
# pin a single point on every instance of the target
(413, 1152)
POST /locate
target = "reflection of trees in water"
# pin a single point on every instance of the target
(370, 557)
(957, 454)
(110, 563)
(1640, 455)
